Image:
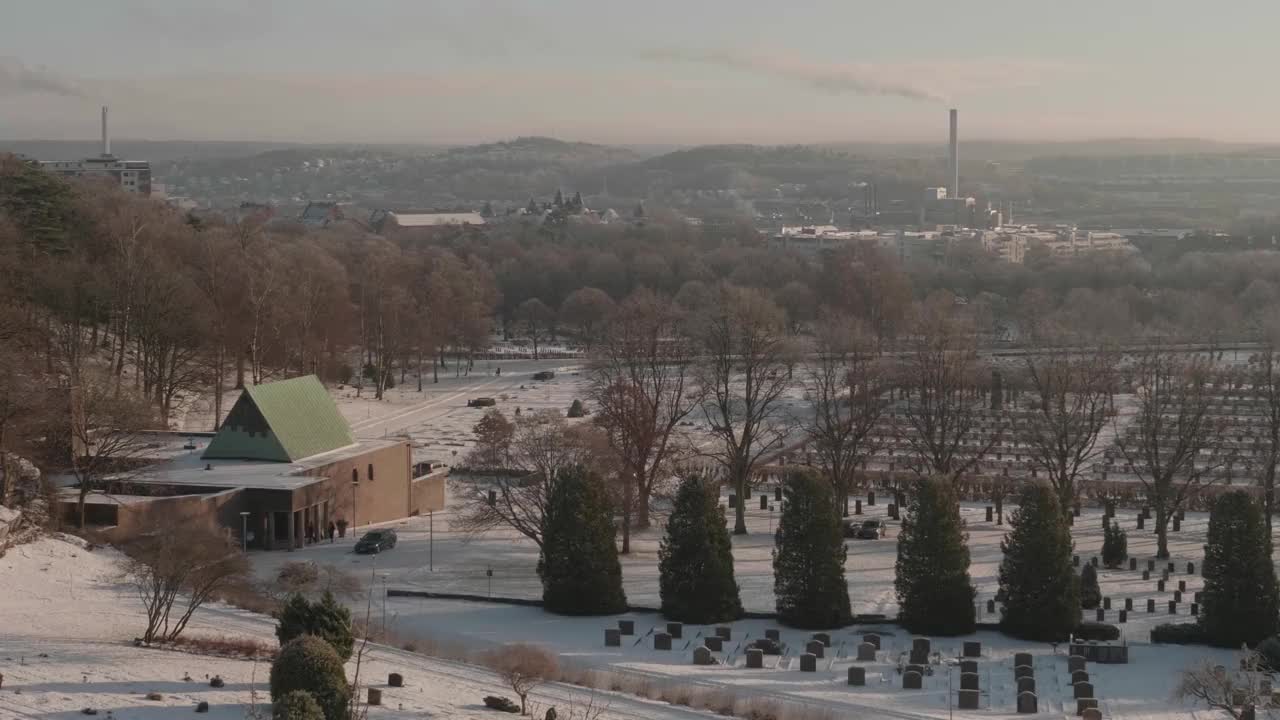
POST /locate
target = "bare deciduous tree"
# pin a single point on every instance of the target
(180, 560)
(1229, 691)
(1171, 441)
(744, 373)
(1072, 401)
(845, 384)
(522, 667)
(1264, 376)
(642, 388)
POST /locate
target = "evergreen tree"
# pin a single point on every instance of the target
(1240, 599)
(935, 594)
(559, 201)
(1042, 598)
(579, 563)
(326, 619)
(695, 559)
(1115, 546)
(639, 211)
(576, 203)
(487, 210)
(1090, 593)
(808, 556)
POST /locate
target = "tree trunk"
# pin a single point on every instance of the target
(626, 516)
(1162, 532)
(642, 506)
(740, 512)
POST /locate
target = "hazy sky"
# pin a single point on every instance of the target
(692, 71)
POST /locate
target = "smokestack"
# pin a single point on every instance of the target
(106, 137)
(955, 154)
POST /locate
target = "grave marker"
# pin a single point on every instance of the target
(823, 638)
(702, 656)
(968, 699)
(675, 630)
(661, 641)
(1075, 663)
(808, 662)
(724, 632)
(627, 627)
(755, 658)
(968, 681)
(866, 652)
(1082, 690)
(857, 676)
(972, 649)
(711, 642)
(872, 638)
(968, 666)
(912, 681)
(815, 648)
(612, 637)
(1026, 684)
(1027, 703)
(1022, 658)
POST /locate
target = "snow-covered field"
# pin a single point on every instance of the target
(1141, 689)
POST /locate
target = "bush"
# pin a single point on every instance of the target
(1040, 595)
(1115, 546)
(522, 667)
(311, 664)
(497, 702)
(1178, 634)
(1269, 650)
(576, 410)
(1090, 593)
(695, 560)
(578, 564)
(1241, 600)
(297, 705)
(935, 594)
(325, 619)
(809, 556)
(1101, 632)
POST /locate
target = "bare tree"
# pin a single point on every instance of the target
(537, 319)
(181, 559)
(1229, 691)
(744, 373)
(845, 383)
(941, 405)
(642, 388)
(1171, 442)
(1072, 403)
(522, 667)
(1264, 376)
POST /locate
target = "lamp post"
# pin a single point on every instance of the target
(355, 483)
(431, 541)
(244, 531)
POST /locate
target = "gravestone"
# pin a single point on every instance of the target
(1027, 703)
(912, 681)
(1075, 561)
(857, 676)
(991, 606)
(892, 511)
(711, 642)
(724, 632)
(675, 630)
(871, 498)
(1159, 586)
(1151, 566)
(1083, 704)
(1021, 671)
(661, 641)
(972, 649)
(968, 699)
(627, 627)
(773, 634)
(872, 638)
(1146, 574)
(968, 666)
(1075, 663)
(1094, 561)
(866, 652)
(1101, 615)
(1151, 605)
(1177, 596)
(702, 656)
(733, 500)
(764, 502)
(857, 506)
(395, 680)
(1022, 658)
(968, 681)
(921, 645)
(1091, 714)
(1171, 568)
(1124, 616)
(777, 493)
(1177, 524)
(989, 515)
(755, 658)
(1195, 609)
(767, 646)
(1191, 568)
(375, 696)
(1182, 586)
(1106, 603)
(1141, 522)
(1026, 684)
(823, 638)
(1128, 604)
(612, 637)
(1133, 563)
(815, 648)
(1173, 607)
(1079, 676)
(1082, 690)
(808, 662)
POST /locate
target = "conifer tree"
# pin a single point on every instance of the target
(1090, 593)
(695, 560)
(808, 556)
(326, 619)
(935, 594)
(1115, 546)
(578, 564)
(1240, 598)
(1042, 598)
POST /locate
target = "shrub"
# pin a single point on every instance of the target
(1101, 632)
(311, 664)
(695, 560)
(1241, 600)
(809, 556)
(1040, 596)
(935, 594)
(1090, 593)
(497, 702)
(1115, 546)
(325, 619)
(1178, 634)
(1269, 650)
(576, 410)
(297, 705)
(578, 564)
(522, 667)
(216, 681)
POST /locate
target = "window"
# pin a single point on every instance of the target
(370, 473)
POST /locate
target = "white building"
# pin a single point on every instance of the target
(132, 175)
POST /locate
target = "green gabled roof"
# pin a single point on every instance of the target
(283, 421)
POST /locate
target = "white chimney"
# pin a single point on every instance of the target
(955, 154)
(106, 137)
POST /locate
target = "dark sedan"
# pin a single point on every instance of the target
(375, 541)
(866, 530)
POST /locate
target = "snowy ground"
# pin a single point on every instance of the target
(1141, 689)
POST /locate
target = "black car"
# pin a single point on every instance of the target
(871, 530)
(544, 375)
(375, 541)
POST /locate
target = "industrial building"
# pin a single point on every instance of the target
(283, 466)
(133, 176)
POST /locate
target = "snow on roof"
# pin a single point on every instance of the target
(431, 219)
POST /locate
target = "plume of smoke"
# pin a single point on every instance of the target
(855, 79)
(17, 78)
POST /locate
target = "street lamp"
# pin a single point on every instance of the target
(355, 483)
(431, 542)
(244, 531)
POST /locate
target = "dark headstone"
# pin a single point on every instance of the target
(1094, 561)
(724, 632)
(1027, 703)
(1177, 525)
(661, 641)
(866, 652)
(1106, 603)
(1091, 713)
(1128, 604)
(892, 511)
(395, 680)
(872, 638)
(1075, 663)
(764, 502)
(1195, 609)
(1142, 522)
(1159, 586)
(991, 606)
(733, 500)
(1124, 616)
(1101, 615)
(1171, 568)
(921, 645)
(1022, 658)
(612, 637)
(1191, 568)
(972, 649)
(1151, 566)
(857, 506)
(1173, 607)
(857, 675)
(990, 516)
(702, 656)
(824, 638)
(1133, 563)
(1082, 690)
(627, 627)
(1079, 676)
(968, 699)
(808, 662)
(968, 666)
(815, 648)
(1075, 561)
(375, 696)
(202, 706)
(1021, 671)
(773, 634)
(968, 681)
(871, 498)
(1182, 586)
(675, 630)
(755, 658)
(1177, 596)
(912, 681)
(777, 493)
(1146, 574)
(1083, 704)
(713, 643)
(1151, 605)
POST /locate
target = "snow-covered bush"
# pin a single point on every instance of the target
(311, 664)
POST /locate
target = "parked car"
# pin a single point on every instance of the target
(544, 375)
(375, 541)
(482, 402)
(866, 530)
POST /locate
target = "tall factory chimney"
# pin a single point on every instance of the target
(955, 154)
(106, 137)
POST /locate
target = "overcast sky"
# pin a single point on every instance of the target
(657, 71)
